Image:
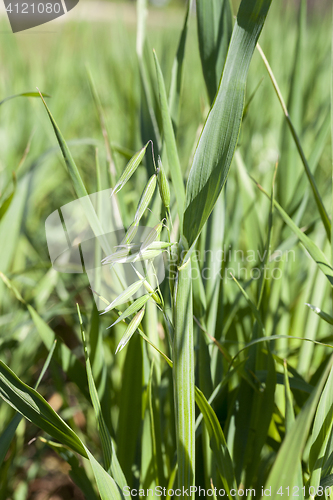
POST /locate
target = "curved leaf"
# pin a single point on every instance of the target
(217, 442)
(219, 137)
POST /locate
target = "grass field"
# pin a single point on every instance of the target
(234, 331)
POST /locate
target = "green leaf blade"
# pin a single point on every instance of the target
(217, 442)
(219, 137)
(109, 454)
(285, 469)
(170, 143)
(183, 378)
(214, 19)
(34, 408)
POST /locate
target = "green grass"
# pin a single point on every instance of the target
(240, 396)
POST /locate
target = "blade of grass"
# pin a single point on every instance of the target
(148, 472)
(183, 379)
(326, 317)
(219, 137)
(130, 408)
(317, 255)
(10, 227)
(251, 304)
(168, 360)
(6, 203)
(302, 183)
(9, 432)
(107, 487)
(311, 329)
(177, 71)
(261, 285)
(262, 409)
(34, 408)
(289, 163)
(322, 428)
(218, 444)
(24, 94)
(79, 186)
(154, 466)
(275, 337)
(285, 468)
(214, 20)
(63, 355)
(316, 194)
(149, 125)
(289, 421)
(170, 144)
(108, 145)
(110, 458)
(214, 243)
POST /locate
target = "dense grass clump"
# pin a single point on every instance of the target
(216, 154)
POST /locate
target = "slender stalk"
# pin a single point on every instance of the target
(183, 379)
